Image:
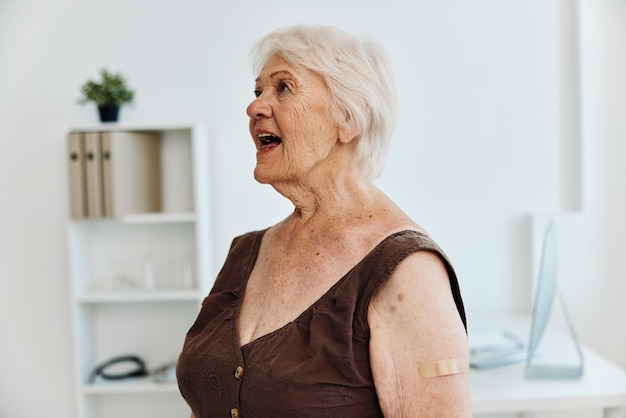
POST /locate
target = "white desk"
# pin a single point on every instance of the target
(505, 390)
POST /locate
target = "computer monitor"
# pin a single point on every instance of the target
(546, 292)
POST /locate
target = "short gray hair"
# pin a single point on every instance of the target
(359, 77)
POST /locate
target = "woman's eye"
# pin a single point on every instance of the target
(283, 87)
(257, 93)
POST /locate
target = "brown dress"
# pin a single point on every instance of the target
(316, 366)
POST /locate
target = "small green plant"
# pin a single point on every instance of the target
(111, 90)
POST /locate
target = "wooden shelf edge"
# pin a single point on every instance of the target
(139, 296)
(129, 387)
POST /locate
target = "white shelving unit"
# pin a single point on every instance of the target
(137, 280)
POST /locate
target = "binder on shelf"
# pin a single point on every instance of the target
(76, 150)
(114, 173)
(93, 174)
(130, 173)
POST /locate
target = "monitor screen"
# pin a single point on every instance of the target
(545, 288)
(546, 292)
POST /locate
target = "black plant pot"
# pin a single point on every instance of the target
(108, 113)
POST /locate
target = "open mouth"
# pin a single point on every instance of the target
(268, 141)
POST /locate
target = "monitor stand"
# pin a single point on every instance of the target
(545, 371)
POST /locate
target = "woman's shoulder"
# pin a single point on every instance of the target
(396, 246)
(413, 262)
(414, 239)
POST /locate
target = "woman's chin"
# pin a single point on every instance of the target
(261, 175)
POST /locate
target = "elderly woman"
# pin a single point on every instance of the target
(346, 308)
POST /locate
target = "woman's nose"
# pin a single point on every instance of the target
(259, 108)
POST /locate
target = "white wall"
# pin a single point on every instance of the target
(593, 263)
(479, 145)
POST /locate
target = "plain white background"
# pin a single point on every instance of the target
(486, 139)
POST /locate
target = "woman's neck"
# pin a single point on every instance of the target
(329, 196)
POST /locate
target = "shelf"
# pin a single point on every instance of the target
(140, 296)
(161, 217)
(136, 127)
(145, 218)
(139, 262)
(129, 386)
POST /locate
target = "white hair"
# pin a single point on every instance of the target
(359, 78)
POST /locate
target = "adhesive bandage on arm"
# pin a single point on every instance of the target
(444, 367)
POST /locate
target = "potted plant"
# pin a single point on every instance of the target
(109, 94)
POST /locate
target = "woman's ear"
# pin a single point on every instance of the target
(346, 135)
(346, 132)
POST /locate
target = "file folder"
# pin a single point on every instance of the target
(114, 173)
(78, 190)
(130, 172)
(93, 174)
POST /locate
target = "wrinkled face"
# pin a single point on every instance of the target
(290, 122)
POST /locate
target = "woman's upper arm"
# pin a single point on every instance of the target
(413, 320)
